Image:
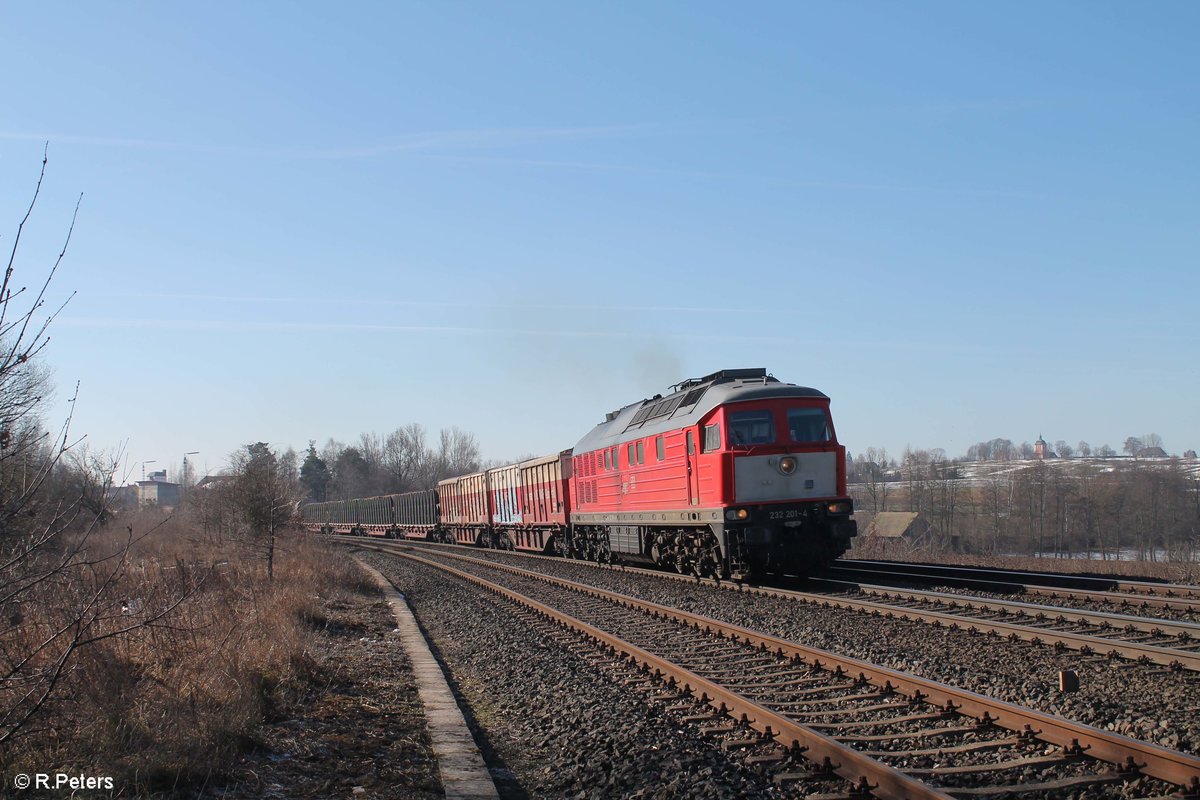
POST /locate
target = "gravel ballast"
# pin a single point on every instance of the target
(1151, 704)
(554, 724)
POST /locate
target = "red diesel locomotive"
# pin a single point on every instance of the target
(729, 475)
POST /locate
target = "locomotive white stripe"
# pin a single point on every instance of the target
(758, 478)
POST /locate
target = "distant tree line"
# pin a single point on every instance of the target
(404, 460)
(1149, 508)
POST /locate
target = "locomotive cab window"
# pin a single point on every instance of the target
(808, 425)
(751, 427)
(712, 438)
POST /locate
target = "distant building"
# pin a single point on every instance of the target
(1041, 450)
(122, 496)
(212, 481)
(1151, 452)
(1189, 453)
(158, 491)
(892, 531)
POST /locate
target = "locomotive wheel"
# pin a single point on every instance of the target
(663, 551)
(601, 550)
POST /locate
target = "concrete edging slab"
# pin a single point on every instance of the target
(460, 764)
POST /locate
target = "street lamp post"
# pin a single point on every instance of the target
(142, 489)
(183, 477)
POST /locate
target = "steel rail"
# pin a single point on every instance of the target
(1069, 580)
(1135, 755)
(865, 772)
(1094, 618)
(1161, 589)
(1118, 598)
(1084, 643)
(1162, 595)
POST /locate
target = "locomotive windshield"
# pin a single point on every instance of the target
(808, 425)
(751, 427)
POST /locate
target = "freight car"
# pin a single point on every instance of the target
(728, 475)
(412, 514)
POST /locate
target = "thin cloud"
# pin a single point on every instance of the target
(350, 327)
(782, 180)
(250, 300)
(422, 141)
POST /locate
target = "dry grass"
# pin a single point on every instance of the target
(170, 704)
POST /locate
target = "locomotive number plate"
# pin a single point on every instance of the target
(792, 513)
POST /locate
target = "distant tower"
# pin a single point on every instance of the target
(1039, 448)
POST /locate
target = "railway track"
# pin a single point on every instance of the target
(1107, 592)
(1169, 634)
(808, 713)
(1098, 635)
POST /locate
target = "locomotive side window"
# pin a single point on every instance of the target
(751, 427)
(808, 425)
(607, 460)
(641, 451)
(629, 455)
(712, 438)
(658, 444)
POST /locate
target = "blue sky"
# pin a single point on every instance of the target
(303, 221)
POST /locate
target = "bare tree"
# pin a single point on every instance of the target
(1062, 449)
(60, 588)
(457, 454)
(405, 456)
(1132, 445)
(1084, 449)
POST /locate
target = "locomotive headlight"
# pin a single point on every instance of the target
(737, 514)
(787, 465)
(839, 508)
